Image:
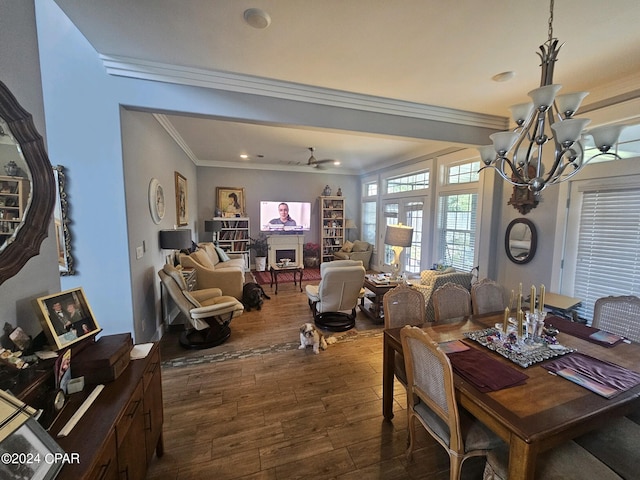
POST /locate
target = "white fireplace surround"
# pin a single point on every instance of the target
(281, 246)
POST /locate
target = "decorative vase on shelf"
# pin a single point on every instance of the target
(11, 168)
(339, 192)
(327, 191)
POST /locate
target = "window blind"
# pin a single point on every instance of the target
(608, 247)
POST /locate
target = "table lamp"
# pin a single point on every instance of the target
(213, 226)
(177, 239)
(398, 237)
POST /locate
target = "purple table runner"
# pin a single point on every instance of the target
(485, 373)
(598, 376)
(584, 332)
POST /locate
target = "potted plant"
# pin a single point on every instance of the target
(311, 255)
(260, 248)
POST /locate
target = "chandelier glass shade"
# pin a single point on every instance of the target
(548, 119)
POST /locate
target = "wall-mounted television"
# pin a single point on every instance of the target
(285, 216)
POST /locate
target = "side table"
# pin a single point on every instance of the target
(275, 269)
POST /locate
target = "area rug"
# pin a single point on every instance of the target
(212, 357)
(308, 275)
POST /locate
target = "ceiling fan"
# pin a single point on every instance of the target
(315, 163)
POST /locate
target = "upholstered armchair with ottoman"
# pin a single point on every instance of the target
(215, 270)
(357, 250)
(431, 280)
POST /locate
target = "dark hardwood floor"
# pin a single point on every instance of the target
(257, 407)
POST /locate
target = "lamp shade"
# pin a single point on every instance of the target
(398, 235)
(350, 224)
(212, 225)
(175, 239)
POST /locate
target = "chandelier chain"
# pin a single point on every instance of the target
(551, 20)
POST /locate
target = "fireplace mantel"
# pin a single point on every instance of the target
(291, 243)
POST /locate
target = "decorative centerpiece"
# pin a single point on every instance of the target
(311, 255)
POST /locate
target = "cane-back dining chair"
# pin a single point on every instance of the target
(431, 400)
(487, 296)
(451, 302)
(619, 315)
(402, 306)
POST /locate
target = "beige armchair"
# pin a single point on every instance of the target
(357, 250)
(333, 302)
(431, 280)
(229, 279)
(207, 311)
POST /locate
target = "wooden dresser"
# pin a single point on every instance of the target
(116, 438)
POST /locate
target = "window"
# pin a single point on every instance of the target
(457, 230)
(370, 189)
(462, 173)
(608, 251)
(413, 254)
(369, 210)
(408, 183)
(390, 218)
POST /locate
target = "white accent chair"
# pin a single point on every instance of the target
(333, 302)
(207, 311)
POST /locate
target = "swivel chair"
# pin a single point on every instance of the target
(207, 311)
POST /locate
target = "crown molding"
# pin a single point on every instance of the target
(240, 83)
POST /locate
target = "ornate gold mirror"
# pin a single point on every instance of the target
(27, 188)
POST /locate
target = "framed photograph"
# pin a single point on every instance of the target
(35, 453)
(230, 201)
(66, 318)
(182, 207)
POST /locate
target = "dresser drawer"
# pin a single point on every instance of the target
(132, 411)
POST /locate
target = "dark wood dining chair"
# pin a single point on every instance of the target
(619, 315)
(431, 401)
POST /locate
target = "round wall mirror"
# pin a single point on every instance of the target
(521, 240)
(27, 188)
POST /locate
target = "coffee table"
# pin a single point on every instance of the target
(374, 311)
(275, 269)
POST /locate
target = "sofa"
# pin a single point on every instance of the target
(358, 250)
(431, 280)
(216, 269)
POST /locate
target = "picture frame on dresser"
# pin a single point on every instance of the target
(182, 206)
(29, 452)
(66, 318)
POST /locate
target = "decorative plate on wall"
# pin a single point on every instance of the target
(156, 201)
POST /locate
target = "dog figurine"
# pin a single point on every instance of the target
(310, 336)
(252, 295)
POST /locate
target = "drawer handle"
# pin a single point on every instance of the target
(135, 406)
(103, 470)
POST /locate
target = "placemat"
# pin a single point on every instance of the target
(485, 373)
(597, 375)
(590, 334)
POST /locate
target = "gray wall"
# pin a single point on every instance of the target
(20, 71)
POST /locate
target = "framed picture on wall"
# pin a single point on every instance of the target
(230, 201)
(182, 207)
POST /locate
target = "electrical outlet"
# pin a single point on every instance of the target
(139, 252)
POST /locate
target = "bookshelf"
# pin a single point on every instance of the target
(234, 237)
(331, 226)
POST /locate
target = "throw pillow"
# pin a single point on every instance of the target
(222, 255)
(201, 257)
(347, 247)
(360, 246)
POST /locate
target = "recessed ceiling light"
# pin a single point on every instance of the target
(503, 77)
(244, 155)
(257, 18)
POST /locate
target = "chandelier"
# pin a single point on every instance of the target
(547, 117)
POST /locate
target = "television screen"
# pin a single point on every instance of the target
(284, 216)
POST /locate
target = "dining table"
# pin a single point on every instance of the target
(543, 412)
